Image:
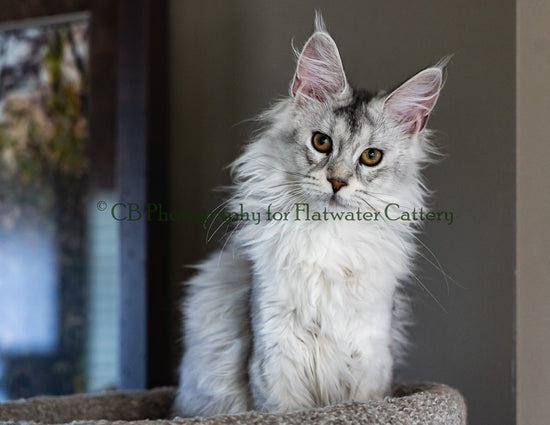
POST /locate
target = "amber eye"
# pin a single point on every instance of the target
(321, 142)
(371, 157)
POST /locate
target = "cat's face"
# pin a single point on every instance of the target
(347, 156)
(350, 149)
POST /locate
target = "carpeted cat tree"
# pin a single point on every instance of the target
(426, 403)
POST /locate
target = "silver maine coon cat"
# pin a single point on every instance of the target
(306, 310)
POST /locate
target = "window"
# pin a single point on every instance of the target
(59, 285)
(86, 301)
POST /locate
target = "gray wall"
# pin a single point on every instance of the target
(533, 238)
(231, 58)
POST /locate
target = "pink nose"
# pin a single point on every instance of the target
(337, 184)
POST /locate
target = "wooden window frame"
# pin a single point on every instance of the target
(129, 147)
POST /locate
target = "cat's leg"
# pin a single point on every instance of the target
(280, 365)
(213, 374)
(372, 376)
(276, 382)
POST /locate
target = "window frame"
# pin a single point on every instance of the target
(129, 145)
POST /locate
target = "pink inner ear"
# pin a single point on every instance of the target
(319, 73)
(412, 103)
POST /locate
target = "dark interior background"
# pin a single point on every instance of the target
(230, 59)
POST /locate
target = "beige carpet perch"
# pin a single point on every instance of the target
(427, 403)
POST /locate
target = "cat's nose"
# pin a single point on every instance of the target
(337, 184)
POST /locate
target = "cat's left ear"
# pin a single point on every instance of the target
(319, 74)
(411, 103)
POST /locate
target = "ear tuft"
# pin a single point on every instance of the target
(319, 22)
(411, 103)
(319, 73)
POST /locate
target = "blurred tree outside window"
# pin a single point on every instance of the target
(58, 256)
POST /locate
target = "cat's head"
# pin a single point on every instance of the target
(333, 146)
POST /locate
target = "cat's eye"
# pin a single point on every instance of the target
(321, 142)
(371, 157)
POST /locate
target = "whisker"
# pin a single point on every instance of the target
(226, 221)
(443, 272)
(271, 167)
(215, 209)
(383, 200)
(435, 258)
(430, 293)
(237, 226)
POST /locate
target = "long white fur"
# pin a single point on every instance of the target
(299, 314)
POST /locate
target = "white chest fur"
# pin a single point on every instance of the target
(321, 314)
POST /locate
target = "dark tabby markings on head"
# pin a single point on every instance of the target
(312, 162)
(309, 155)
(356, 109)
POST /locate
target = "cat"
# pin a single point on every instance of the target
(293, 313)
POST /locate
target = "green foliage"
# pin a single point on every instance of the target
(43, 136)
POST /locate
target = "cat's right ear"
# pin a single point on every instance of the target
(411, 103)
(319, 74)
